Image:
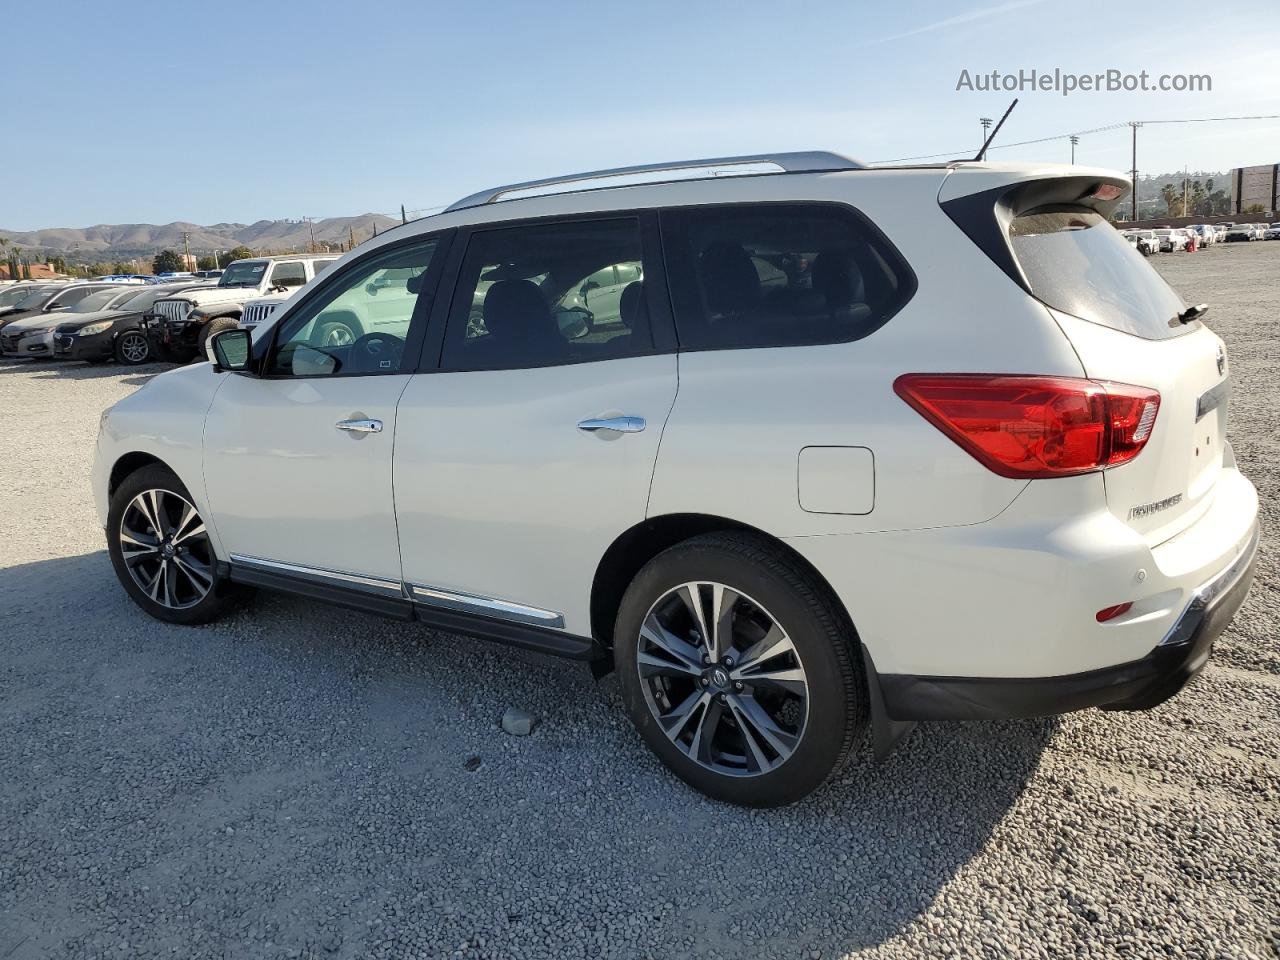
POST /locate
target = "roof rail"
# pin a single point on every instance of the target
(811, 161)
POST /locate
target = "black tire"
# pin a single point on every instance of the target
(131, 348)
(211, 330)
(827, 651)
(221, 597)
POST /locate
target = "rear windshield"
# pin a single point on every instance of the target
(1078, 263)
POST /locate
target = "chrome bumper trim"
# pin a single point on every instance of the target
(1205, 595)
(318, 574)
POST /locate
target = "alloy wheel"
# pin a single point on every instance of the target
(166, 549)
(338, 336)
(723, 679)
(134, 348)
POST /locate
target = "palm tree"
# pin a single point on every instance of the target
(1170, 195)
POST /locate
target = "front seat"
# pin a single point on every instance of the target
(520, 324)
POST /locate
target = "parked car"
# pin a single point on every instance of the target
(179, 327)
(115, 331)
(1171, 240)
(840, 520)
(1242, 232)
(1272, 232)
(50, 298)
(1208, 236)
(14, 293)
(1193, 239)
(32, 336)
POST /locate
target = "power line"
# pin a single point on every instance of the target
(1078, 133)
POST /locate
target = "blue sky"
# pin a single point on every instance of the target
(242, 111)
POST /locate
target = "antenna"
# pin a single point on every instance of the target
(982, 154)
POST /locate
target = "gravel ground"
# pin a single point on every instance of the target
(304, 781)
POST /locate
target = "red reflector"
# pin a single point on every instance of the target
(1030, 427)
(1107, 191)
(1110, 613)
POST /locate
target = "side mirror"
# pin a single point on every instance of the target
(230, 350)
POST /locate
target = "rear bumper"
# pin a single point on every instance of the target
(1137, 685)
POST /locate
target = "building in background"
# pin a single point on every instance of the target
(1255, 186)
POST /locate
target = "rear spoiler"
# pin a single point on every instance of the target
(985, 216)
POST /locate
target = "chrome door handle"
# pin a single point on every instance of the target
(360, 426)
(620, 424)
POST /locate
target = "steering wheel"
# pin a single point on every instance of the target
(375, 352)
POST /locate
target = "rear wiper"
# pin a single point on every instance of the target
(1192, 313)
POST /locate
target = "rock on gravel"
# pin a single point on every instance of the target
(517, 722)
(295, 778)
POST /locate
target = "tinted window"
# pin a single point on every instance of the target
(547, 294)
(70, 298)
(1078, 263)
(358, 325)
(777, 275)
(320, 266)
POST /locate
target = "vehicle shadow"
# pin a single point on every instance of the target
(77, 370)
(341, 707)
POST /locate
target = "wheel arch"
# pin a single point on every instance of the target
(129, 464)
(635, 547)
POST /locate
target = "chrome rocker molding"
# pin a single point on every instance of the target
(336, 577)
(486, 607)
(486, 617)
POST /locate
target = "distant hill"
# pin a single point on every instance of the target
(125, 240)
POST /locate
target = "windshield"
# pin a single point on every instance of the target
(95, 302)
(1076, 262)
(143, 300)
(243, 273)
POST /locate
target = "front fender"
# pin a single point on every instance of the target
(163, 420)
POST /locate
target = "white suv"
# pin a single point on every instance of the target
(863, 447)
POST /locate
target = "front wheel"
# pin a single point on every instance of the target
(161, 551)
(739, 671)
(132, 348)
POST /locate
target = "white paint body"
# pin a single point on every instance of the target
(481, 483)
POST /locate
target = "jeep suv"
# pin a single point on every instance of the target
(854, 448)
(179, 327)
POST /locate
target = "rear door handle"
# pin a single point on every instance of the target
(619, 424)
(360, 426)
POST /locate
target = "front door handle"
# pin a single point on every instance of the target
(360, 426)
(620, 424)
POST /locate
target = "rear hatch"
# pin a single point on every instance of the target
(1124, 324)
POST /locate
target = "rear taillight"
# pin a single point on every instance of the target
(1031, 427)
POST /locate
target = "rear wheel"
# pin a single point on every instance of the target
(738, 671)
(161, 550)
(132, 348)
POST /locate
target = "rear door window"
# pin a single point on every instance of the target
(779, 275)
(1076, 262)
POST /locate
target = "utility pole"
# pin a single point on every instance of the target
(186, 251)
(1134, 169)
(986, 125)
(1184, 190)
(312, 227)
(1074, 141)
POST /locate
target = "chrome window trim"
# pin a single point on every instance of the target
(485, 606)
(375, 584)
